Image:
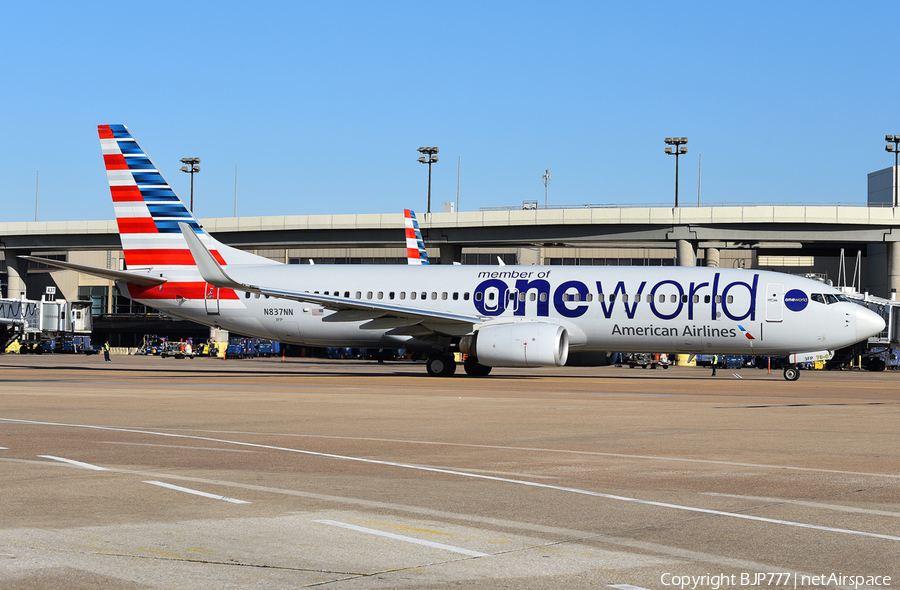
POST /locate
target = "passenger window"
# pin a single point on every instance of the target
(624, 297)
(674, 298)
(391, 295)
(478, 295)
(247, 294)
(601, 297)
(381, 294)
(533, 297)
(412, 295)
(424, 295)
(466, 296)
(696, 299)
(612, 298)
(718, 299)
(588, 297)
(684, 298)
(491, 296)
(434, 295)
(359, 295)
(369, 295)
(456, 296)
(662, 298)
(402, 295)
(444, 296)
(731, 299)
(256, 295)
(522, 296)
(543, 298)
(706, 299)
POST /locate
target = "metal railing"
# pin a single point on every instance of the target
(626, 205)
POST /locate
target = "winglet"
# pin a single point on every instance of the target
(208, 266)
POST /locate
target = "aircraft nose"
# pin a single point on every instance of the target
(868, 323)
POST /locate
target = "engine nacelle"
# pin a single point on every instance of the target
(525, 344)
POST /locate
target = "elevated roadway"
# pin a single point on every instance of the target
(684, 228)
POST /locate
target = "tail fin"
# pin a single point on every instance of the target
(415, 247)
(148, 210)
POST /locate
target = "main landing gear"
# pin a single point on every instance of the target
(442, 365)
(791, 373)
(474, 368)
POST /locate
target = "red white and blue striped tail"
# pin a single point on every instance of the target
(148, 210)
(415, 247)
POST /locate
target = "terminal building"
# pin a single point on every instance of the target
(853, 245)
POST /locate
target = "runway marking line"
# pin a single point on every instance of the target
(404, 538)
(73, 462)
(533, 484)
(820, 505)
(196, 492)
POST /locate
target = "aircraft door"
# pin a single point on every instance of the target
(211, 299)
(774, 302)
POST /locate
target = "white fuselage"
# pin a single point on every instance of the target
(624, 309)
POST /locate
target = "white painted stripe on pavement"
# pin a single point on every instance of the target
(479, 476)
(469, 445)
(625, 587)
(404, 538)
(196, 493)
(76, 463)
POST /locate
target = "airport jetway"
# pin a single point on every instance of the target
(32, 322)
(889, 309)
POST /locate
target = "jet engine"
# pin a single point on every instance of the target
(525, 344)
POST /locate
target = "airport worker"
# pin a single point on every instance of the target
(106, 351)
(715, 361)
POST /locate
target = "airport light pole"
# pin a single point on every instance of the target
(431, 159)
(893, 139)
(676, 151)
(190, 166)
(546, 178)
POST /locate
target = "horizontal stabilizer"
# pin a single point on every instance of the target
(106, 273)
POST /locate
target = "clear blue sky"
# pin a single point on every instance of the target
(321, 105)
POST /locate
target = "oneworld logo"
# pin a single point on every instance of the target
(796, 300)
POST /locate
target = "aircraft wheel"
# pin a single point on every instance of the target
(441, 366)
(474, 368)
(791, 373)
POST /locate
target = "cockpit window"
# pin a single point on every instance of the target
(841, 297)
(829, 298)
(817, 297)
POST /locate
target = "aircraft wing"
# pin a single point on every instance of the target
(107, 273)
(347, 309)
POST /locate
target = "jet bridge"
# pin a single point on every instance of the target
(888, 309)
(35, 321)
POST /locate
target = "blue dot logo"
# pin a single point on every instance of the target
(796, 300)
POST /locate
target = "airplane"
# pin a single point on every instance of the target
(509, 316)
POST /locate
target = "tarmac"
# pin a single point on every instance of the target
(162, 473)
